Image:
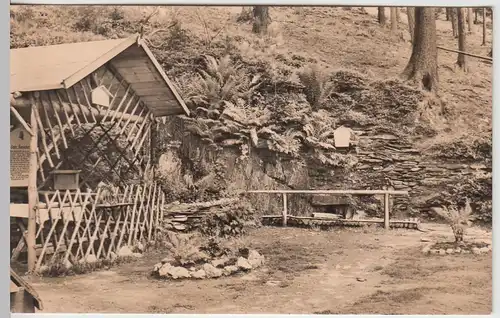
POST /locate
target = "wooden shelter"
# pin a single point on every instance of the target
(23, 298)
(83, 114)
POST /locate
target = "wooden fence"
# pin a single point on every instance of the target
(285, 193)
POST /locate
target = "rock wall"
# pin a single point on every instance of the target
(383, 160)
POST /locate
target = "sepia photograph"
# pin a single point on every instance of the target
(251, 159)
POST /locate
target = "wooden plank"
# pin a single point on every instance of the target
(366, 192)
(164, 76)
(285, 209)
(13, 287)
(386, 211)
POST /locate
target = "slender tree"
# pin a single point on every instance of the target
(484, 26)
(447, 14)
(381, 16)
(398, 14)
(461, 60)
(453, 16)
(422, 66)
(410, 11)
(261, 19)
(469, 19)
(394, 19)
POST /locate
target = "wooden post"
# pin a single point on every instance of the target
(386, 211)
(32, 188)
(285, 209)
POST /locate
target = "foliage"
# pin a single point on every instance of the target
(184, 249)
(228, 221)
(318, 86)
(459, 218)
(220, 81)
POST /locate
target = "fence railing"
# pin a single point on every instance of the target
(386, 193)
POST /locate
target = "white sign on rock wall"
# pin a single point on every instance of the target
(19, 157)
(342, 137)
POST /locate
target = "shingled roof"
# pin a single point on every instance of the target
(61, 66)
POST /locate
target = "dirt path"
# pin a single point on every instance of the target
(342, 271)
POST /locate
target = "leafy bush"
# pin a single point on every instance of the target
(231, 220)
(318, 86)
(184, 249)
(459, 218)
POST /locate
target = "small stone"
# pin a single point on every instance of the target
(231, 269)
(68, 264)
(450, 251)
(91, 259)
(199, 274)
(360, 279)
(163, 271)
(137, 255)
(243, 264)
(140, 247)
(273, 283)
(178, 272)
(255, 259)
(157, 267)
(476, 251)
(192, 269)
(125, 251)
(424, 239)
(433, 251)
(458, 250)
(221, 262)
(426, 249)
(212, 271)
(442, 252)
(484, 250)
(167, 260)
(43, 269)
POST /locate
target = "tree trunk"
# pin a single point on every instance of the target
(422, 66)
(261, 19)
(484, 26)
(394, 19)
(398, 14)
(469, 19)
(461, 60)
(476, 21)
(453, 14)
(381, 16)
(410, 11)
(447, 14)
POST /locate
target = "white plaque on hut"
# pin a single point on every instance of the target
(101, 96)
(19, 157)
(342, 136)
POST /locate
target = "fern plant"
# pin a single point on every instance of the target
(317, 84)
(184, 249)
(221, 80)
(459, 218)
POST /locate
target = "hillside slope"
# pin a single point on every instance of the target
(283, 94)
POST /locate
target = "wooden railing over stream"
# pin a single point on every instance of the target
(386, 193)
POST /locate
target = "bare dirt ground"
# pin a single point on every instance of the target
(343, 271)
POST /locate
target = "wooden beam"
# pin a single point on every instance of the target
(465, 53)
(21, 120)
(386, 211)
(285, 209)
(164, 76)
(32, 189)
(336, 192)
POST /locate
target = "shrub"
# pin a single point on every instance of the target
(459, 218)
(318, 86)
(230, 220)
